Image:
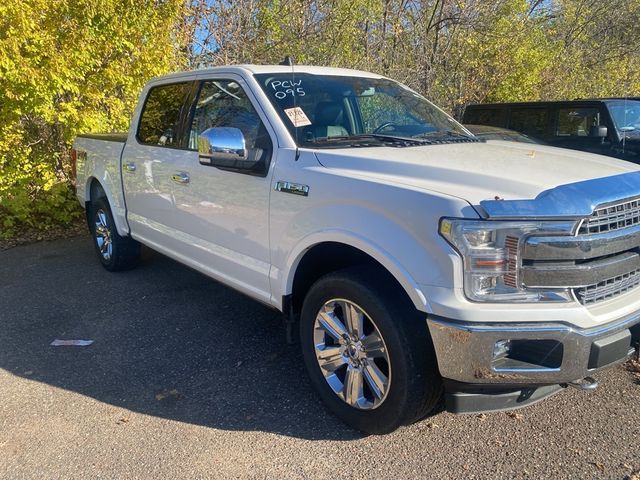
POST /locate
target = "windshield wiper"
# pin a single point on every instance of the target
(397, 141)
(439, 135)
(394, 138)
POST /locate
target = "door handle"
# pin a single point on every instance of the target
(129, 167)
(180, 177)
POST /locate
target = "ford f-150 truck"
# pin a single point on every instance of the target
(414, 259)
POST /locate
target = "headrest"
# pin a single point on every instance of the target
(328, 113)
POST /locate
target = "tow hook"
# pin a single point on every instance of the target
(586, 384)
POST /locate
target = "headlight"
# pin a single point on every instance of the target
(489, 250)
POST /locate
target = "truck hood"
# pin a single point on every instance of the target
(475, 172)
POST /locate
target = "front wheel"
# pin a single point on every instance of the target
(115, 252)
(368, 351)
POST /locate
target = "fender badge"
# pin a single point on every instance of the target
(294, 188)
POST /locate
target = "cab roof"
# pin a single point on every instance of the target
(275, 69)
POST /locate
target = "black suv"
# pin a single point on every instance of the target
(606, 126)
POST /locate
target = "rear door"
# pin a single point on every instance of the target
(149, 159)
(531, 120)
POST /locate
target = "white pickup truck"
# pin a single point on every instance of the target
(416, 259)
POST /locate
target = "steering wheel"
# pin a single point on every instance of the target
(379, 128)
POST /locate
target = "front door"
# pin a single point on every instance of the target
(573, 130)
(221, 215)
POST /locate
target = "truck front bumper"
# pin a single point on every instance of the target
(505, 365)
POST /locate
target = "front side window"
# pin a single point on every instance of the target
(577, 122)
(324, 110)
(161, 115)
(223, 103)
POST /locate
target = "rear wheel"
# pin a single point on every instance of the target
(114, 251)
(368, 352)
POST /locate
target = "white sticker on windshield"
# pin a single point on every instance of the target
(297, 117)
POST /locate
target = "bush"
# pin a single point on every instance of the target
(67, 67)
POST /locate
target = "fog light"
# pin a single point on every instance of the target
(501, 348)
(526, 354)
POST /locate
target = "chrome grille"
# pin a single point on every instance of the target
(614, 217)
(604, 255)
(609, 288)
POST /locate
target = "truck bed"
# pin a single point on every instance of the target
(101, 160)
(108, 137)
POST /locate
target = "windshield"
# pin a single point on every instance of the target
(331, 110)
(626, 115)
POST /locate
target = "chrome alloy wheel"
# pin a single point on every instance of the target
(352, 354)
(103, 235)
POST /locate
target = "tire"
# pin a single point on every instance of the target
(396, 379)
(114, 251)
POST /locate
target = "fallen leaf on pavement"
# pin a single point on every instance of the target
(633, 366)
(166, 394)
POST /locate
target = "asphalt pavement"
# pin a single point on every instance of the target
(186, 378)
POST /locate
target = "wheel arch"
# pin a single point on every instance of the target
(94, 189)
(333, 251)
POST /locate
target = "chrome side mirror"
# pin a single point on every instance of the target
(223, 146)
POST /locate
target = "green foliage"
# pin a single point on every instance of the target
(66, 67)
(71, 66)
(597, 49)
(500, 56)
(453, 52)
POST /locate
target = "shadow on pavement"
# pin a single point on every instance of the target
(168, 342)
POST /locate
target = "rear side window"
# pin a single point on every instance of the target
(160, 121)
(485, 116)
(533, 121)
(576, 122)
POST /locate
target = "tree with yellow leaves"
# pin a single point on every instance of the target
(69, 66)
